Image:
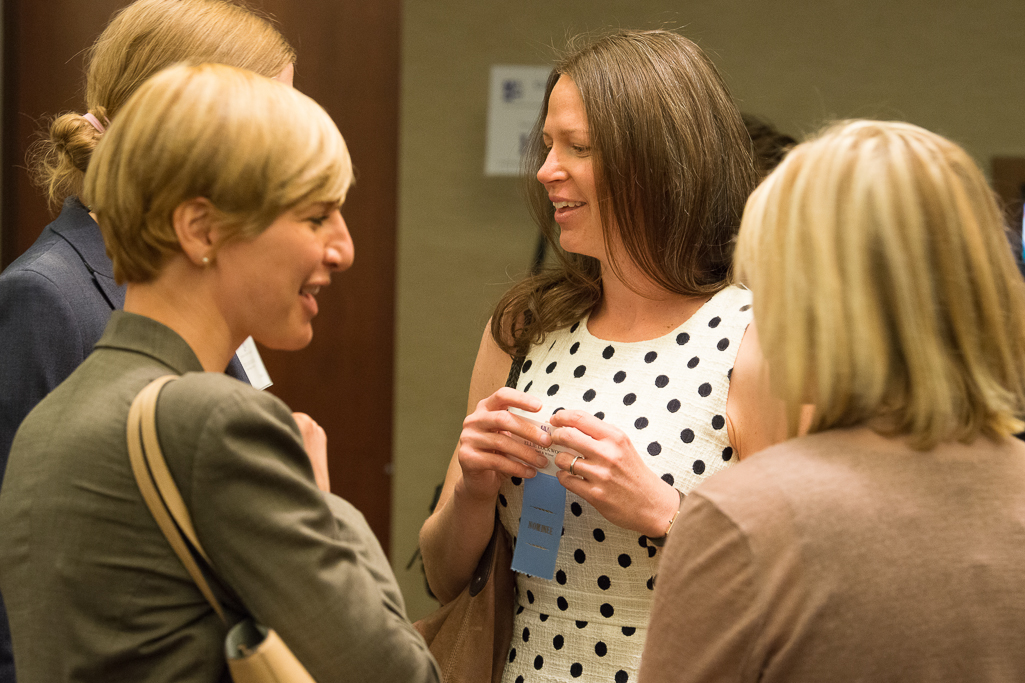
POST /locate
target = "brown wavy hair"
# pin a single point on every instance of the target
(140, 40)
(673, 169)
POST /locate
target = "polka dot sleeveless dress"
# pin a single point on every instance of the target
(669, 396)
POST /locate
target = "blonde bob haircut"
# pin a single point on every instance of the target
(141, 39)
(884, 289)
(252, 146)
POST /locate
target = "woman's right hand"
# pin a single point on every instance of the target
(454, 536)
(491, 445)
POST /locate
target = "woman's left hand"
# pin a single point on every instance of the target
(611, 475)
(315, 441)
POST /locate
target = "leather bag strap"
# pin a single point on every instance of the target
(158, 488)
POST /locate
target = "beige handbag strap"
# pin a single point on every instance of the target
(158, 488)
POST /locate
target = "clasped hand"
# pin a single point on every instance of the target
(610, 475)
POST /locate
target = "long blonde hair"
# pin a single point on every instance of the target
(140, 40)
(884, 289)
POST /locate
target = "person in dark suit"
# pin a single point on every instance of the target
(56, 298)
(218, 192)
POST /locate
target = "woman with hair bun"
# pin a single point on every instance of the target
(888, 543)
(55, 298)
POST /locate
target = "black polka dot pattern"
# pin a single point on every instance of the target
(668, 396)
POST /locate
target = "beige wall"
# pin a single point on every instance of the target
(955, 67)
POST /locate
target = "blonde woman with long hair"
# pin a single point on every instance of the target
(888, 543)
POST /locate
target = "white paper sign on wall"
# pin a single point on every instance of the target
(514, 102)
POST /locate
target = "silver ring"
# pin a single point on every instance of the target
(578, 457)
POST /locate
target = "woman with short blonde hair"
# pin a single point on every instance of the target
(887, 544)
(196, 150)
(56, 298)
(93, 588)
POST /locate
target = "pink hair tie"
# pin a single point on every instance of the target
(94, 122)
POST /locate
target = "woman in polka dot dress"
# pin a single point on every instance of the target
(636, 348)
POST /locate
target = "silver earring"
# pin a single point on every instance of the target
(206, 260)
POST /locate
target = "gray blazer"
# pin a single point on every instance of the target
(93, 589)
(55, 300)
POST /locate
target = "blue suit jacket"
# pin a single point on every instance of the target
(55, 300)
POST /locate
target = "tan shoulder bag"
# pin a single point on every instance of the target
(255, 654)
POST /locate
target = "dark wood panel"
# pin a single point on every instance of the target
(349, 56)
(44, 74)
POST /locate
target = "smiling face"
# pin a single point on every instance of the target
(568, 172)
(267, 285)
